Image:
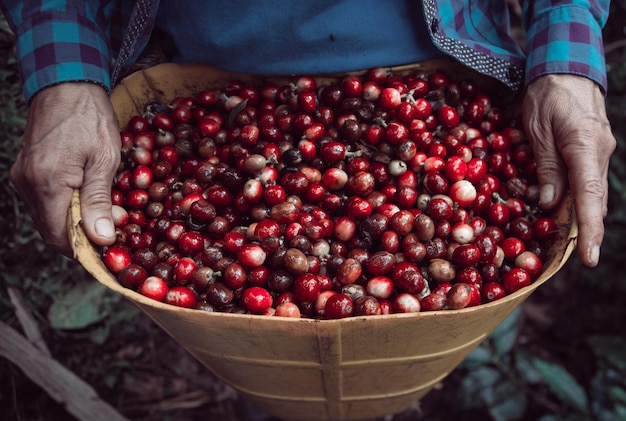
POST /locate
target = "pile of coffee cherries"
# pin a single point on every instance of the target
(370, 195)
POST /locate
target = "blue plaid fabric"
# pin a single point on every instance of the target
(566, 37)
(562, 37)
(66, 41)
(61, 41)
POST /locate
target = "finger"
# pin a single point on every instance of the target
(551, 174)
(607, 147)
(551, 171)
(95, 194)
(47, 204)
(586, 180)
(52, 214)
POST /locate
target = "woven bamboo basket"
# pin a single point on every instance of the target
(304, 369)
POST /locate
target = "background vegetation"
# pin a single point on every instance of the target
(561, 356)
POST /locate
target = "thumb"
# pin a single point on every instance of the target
(95, 197)
(551, 170)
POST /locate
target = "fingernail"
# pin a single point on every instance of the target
(594, 255)
(546, 194)
(104, 228)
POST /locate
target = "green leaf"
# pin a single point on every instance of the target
(562, 384)
(481, 355)
(610, 348)
(524, 366)
(508, 324)
(477, 387)
(620, 411)
(615, 181)
(504, 335)
(80, 307)
(11, 279)
(612, 414)
(110, 379)
(100, 334)
(604, 379)
(509, 402)
(504, 341)
(573, 417)
(617, 394)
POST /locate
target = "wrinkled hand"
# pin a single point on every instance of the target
(71, 141)
(565, 118)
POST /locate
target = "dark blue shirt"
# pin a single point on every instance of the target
(296, 37)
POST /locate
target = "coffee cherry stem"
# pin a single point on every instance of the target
(408, 97)
(354, 154)
(497, 198)
(381, 122)
(234, 112)
(529, 211)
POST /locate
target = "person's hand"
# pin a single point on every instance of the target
(565, 119)
(71, 141)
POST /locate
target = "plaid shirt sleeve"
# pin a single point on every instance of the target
(59, 41)
(562, 37)
(477, 36)
(566, 37)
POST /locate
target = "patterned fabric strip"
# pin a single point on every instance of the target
(137, 35)
(496, 56)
